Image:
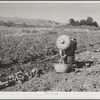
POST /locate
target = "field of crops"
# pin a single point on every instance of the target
(25, 47)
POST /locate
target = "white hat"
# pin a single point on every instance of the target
(63, 42)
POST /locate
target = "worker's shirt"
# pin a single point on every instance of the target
(71, 50)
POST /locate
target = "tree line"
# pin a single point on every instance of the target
(89, 21)
(12, 24)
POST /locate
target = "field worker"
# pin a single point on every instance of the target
(69, 53)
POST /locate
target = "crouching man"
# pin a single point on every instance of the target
(68, 55)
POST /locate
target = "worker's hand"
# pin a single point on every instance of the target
(61, 52)
(63, 56)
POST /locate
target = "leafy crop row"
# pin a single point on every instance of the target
(23, 49)
(33, 47)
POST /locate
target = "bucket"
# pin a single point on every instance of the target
(70, 59)
(61, 67)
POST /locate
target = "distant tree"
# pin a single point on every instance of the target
(95, 24)
(10, 24)
(71, 22)
(89, 21)
(1, 23)
(24, 25)
(77, 23)
(83, 22)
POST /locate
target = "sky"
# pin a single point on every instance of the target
(60, 12)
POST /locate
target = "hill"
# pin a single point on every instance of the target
(34, 22)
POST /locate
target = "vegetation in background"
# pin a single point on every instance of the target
(89, 21)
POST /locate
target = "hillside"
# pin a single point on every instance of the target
(34, 22)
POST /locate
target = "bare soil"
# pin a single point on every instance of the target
(80, 79)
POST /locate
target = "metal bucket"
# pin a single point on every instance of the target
(60, 67)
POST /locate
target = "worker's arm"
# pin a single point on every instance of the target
(62, 54)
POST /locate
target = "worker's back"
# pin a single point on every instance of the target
(70, 52)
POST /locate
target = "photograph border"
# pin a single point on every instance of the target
(50, 95)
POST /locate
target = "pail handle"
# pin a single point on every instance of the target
(60, 61)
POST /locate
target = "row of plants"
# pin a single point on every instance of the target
(34, 47)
